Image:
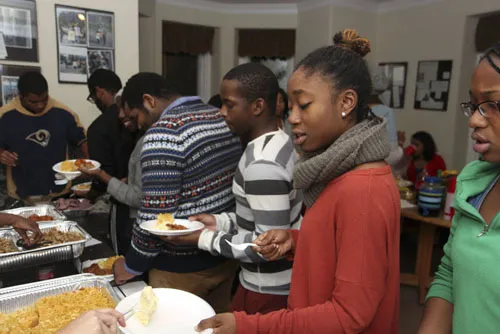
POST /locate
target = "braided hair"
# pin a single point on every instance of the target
(494, 51)
(343, 64)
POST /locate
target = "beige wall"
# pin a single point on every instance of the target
(126, 44)
(440, 31)
(225, 44)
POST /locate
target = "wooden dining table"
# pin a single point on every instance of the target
(422, 277)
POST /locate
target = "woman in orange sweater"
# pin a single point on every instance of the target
(345, 277)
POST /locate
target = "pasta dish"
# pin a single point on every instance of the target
(74, 165)
(52, 313)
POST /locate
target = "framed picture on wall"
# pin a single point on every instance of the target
(85, 42)
(433, 85)
(394, 95)
(18, 30)
(9, 76)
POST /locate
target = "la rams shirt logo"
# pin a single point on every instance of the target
(41, 137)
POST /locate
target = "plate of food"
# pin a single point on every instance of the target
(163, 310)
(167, 225)
(70, 168)
(100, 267)
(82, 187)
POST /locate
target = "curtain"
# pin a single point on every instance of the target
(487, 32)
(187, 38)
(266, 43)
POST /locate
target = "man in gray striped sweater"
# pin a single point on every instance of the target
(262, 186)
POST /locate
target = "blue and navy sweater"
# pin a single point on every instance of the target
(40, 141)
(188, 162)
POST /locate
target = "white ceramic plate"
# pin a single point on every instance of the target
(178, 312)
(192, 226)
(73, 175)
(87, 184)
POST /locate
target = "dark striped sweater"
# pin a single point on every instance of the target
(265, 200)
(188, 162)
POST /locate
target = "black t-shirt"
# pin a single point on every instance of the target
(110, 144)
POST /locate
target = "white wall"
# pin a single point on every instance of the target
(126, 48)
(440, 31)
(226, 24)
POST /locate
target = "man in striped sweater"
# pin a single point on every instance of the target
(188, 161)
(265, 198)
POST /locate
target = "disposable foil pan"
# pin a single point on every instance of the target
(46, 283)
(13, 301)
(41, 210)
(56, 253)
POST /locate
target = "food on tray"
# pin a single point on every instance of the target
(83, 187)
(74, 165)
(166, 221)
(39, 218)
(104, 267)
(52, 313)
(55, 237)
(7, 246)
(64, 204)
(147, 305)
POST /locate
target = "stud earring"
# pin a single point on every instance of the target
(343, 114)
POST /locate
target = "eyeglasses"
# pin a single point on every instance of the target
(487, 109)
(90, 99)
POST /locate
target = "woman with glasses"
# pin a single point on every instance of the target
(465, 295)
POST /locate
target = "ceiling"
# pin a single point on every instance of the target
(276, 1)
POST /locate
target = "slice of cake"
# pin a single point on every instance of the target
(147, 306)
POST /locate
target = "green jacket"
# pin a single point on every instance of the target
(469, 273)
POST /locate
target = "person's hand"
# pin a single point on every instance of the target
(102, 321)
(97, 174)
(401, 138)
(9, 158)
(274, 244)
(224, 323)
(93, 173)
(188, 239)
(208, 220)
(119, 272)
(22, 225)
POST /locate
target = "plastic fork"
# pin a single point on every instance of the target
(241, 247)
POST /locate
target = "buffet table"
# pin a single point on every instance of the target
(97, 226)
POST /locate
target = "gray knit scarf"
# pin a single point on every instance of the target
(365, 142)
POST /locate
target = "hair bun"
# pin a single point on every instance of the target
(349, 38)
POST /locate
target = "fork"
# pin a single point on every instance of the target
(241, 247)
(130, 312)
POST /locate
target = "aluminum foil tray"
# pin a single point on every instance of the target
(13, 301)
(41, 210)
(43, 255)
(46, 283)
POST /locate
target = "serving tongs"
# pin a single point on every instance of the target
(22, 244)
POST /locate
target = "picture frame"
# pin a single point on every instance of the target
(18, 30)
(85, 42)
(433, 85)
(395, 94)
(9, 76)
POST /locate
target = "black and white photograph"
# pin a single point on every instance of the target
(9, 76)
(18, 28)
(101, 30)
(15, 24)
(9, 88)
(100, 59)
(395, 84)
(433, 85)
(73, 64)
(71, 26)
